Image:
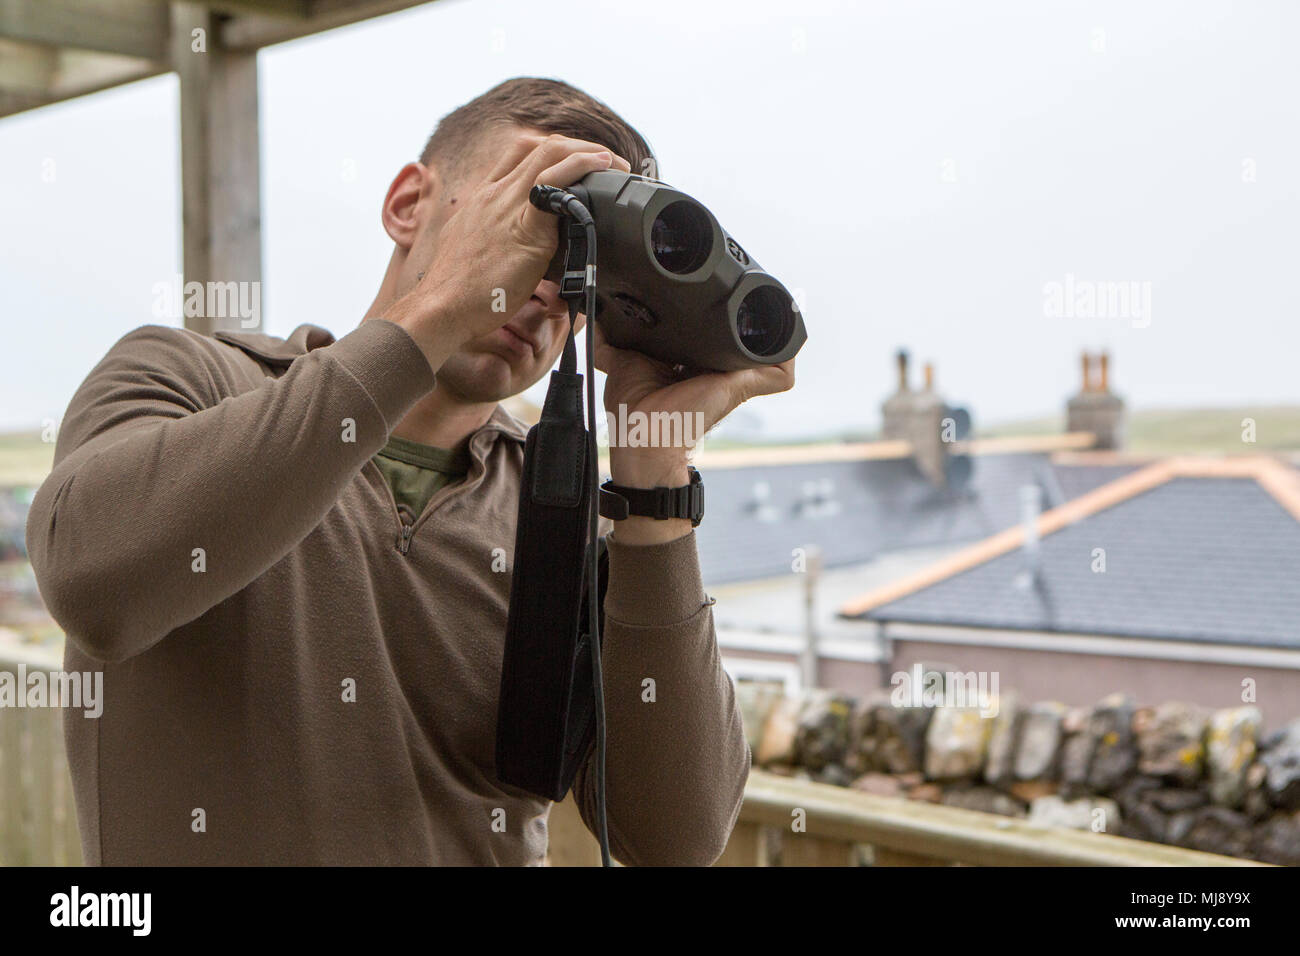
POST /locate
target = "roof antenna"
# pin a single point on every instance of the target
(1030, 504)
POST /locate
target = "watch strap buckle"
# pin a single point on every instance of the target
(663, 505)
(613, 505)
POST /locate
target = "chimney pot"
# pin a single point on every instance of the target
(1096, 408)
(902, 370)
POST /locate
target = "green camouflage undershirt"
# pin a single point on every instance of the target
(415, 472)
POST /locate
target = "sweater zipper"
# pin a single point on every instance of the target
(408, 524)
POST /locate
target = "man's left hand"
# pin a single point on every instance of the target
(639, 383)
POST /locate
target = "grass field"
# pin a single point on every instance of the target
(1183, 431)
(24, 458)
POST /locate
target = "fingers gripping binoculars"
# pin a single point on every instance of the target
(675, 286)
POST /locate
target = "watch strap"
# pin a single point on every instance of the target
(618, 502)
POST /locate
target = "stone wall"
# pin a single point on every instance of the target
(1175, 773)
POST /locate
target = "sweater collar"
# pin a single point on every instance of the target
(507, 424)
(305, 338)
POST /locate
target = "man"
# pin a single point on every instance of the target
(286, 554)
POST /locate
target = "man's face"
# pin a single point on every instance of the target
(507, 361)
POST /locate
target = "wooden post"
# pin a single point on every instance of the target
(747, 846)
(65, 835)
(800, 849)
(38, 817)
(220, 186)
(811, 657)
(885, 856)
(570, 842)
(38, 764)
(11, 789)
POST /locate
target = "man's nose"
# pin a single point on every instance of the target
(549, 293)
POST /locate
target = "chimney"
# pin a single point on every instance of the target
(917, 418)
(1095, 409)
(897, 410)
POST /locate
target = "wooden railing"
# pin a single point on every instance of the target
(843, 827)
(38, 819)
(837, 826)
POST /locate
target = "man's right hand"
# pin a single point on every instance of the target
(496, 245)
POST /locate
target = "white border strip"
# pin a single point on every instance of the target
(33, 655)
(1152, 648)
(767, 642)
(748, 668)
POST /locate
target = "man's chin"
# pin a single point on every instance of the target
(481, 377)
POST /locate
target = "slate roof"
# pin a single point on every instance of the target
(857, 510)
(1192, 557)
(1078, 479)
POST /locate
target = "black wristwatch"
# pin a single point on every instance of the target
(618, 502)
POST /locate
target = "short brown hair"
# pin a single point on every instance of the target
(551, 106)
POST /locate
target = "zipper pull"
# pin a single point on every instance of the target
(407, 518)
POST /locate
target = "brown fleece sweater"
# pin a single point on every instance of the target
(293, 676)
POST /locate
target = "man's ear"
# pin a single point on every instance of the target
(406, 205)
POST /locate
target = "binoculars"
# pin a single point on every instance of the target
(674, 285)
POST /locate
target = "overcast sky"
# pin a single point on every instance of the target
(941, 165)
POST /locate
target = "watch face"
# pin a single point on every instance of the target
(697, 498)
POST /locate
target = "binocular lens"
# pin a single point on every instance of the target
(765, 320)
(681, 237)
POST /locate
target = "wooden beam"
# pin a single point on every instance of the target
(33, 75)
(253, 31)
(294, 9)
(1021, 444)
(799, 454)
(27, 69)
(879, 450)
(93, 45)
(136, 28)
(12, 102)
(220, 184)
